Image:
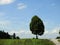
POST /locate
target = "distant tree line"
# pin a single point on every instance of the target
(6, 35)
(58, 37)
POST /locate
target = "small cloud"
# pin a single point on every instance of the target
(3, 2)
(22, 6)
(53, 5)
(55, 30)
(46, 32)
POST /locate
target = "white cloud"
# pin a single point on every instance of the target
(55, 30)
(3, 2)
(22, 33)
(46, 32)
(53, 33)
(17, 32)
(53, 5)
(22, 6)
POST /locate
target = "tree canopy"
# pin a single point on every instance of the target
(6, 35)
(36, 26)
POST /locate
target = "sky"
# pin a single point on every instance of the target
(15, 16)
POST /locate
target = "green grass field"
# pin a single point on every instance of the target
(25, 42)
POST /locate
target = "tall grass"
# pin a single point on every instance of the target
(25, 42)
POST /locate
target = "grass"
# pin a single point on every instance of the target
(25, 42)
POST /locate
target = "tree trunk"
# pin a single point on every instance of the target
(36, 36)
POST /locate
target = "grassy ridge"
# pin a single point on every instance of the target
(25, 42)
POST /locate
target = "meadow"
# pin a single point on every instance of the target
(26, 42)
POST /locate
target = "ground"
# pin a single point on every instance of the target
(56, 41)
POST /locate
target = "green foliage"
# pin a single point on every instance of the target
(58, 38)
(37, 26)
(14, 36)
(17, 37)
(25, 42)
(59, 31)
(4, 35)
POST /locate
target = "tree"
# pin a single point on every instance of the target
(8, 36)
(59, 32)
(36, 26)
(17, 37)
(14, 36)
(4, 35)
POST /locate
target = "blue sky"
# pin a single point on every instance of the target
(15, 16)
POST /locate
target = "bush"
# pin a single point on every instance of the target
(58, 38)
